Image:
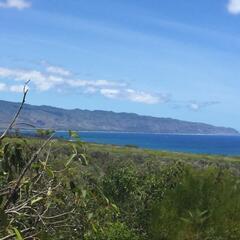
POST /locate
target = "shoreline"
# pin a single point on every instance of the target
(147, 133)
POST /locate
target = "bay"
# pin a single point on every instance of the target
(204, 144)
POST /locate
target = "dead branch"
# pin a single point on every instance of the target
(25, 91)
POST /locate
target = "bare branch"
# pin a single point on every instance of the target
(25, 91)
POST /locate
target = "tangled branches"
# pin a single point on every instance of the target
(33, 200)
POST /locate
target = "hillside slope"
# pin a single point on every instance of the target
(76, 119)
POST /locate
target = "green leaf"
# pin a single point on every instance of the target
(106, 199)
(49, 192)
(89, 216)
(49, 172)
(36, 166)
(18, 234)
(114, 206)
(36, 200)
(94, 228)
(73, 134)
(185, 220)
(71, 159)
(83, 159)
(44, 132)
(84, 193)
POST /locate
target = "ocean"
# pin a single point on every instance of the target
(204, 144)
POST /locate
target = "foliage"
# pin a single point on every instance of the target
(74, 190)
(115, 231)
(44, 132)
(48, 190)
(32, 192)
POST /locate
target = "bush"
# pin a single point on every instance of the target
(115, 231)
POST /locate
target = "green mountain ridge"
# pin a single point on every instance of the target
(99, 120)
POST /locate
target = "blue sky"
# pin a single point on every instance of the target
(175, 58)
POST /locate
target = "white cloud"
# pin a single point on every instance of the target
(3, 87)
(18, 4)
(110, 93)
(234, 6)
(142, 97)
(42, 81)
(196, 106)
(134, 95)
(16, 88)
(11, 88)
(90, 90)
(59, 79)
(58, 70)
(96, 83)
(45, 81)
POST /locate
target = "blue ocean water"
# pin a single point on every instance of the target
(209, 144)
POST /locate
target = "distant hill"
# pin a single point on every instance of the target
(76, 119)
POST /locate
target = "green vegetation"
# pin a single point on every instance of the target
(97, 192)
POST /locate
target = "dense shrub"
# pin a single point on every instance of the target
(115, 231)
(121, 199)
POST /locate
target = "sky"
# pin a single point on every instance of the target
(175, 58)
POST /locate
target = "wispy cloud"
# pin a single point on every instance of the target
(42, 81)
(94, 83)
(60, 79)
(18, 4)
(196, 106)
(11, 88)
(144, 97)
(234, 6)
(135, 95)
(58, 70)
(110, 93)
(16, 88)
(3, 87)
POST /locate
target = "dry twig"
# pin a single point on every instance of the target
(25, 91)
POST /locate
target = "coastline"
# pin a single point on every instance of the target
(147, 133)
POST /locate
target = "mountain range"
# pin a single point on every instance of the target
(86, 120)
